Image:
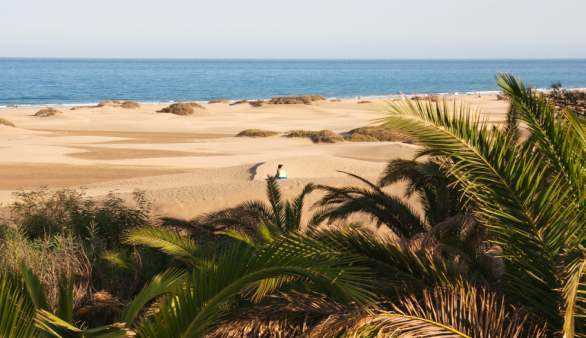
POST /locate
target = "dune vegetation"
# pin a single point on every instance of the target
(5, 122)
(182, 108)
(499, 249)
(303, 99)
(47, 112)
(257, 133)
(316, 136)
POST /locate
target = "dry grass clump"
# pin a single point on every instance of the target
(326, 136)
(129, 105)
(218, 101)
(235, 103)
(106, 103)
(256, 103)
(302, 99)
(46, 112)
(49, 259)
(376, 134)
(335, 100)
(183, 108)
(5, 122)
(574, 100)
(116, 103)
(320, 136)
(256, 133)
(432, 98)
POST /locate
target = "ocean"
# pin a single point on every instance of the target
(77, 81)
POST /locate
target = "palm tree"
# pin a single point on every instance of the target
(212, 287)
(252, 220)
(447, 227)
(529, 195)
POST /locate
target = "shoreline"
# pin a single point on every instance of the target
(360, 97)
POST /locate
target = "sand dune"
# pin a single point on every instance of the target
(193, 164)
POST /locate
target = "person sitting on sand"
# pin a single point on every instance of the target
(281, 173)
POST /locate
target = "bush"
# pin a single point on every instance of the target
(574, 100)
(219, 101)
(184, 108)
(257, 103)
(49, 258)
(376, 134)
(129, 105)
(42, 214)
(235, 103)
(6, 122)
(303, 99)
(321, 136)
(66, 232)
(256, 133)
(326, 136)
(46, 112)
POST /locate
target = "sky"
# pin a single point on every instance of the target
(343, 29)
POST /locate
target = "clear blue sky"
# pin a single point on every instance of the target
(294, 29)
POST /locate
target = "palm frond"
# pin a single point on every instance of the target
(275, 200)
(16, 309)
(452, 311)
(163, 283)
(65, 304)
(168, 241)
(57, 327)
(575, 295)
(34, 287)
(198, 308)
(503, 181)
(341, 203)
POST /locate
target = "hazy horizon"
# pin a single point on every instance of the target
(263, 29)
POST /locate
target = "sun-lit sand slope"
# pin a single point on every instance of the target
(193, 164)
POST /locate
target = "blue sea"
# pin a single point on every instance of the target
(78, 81)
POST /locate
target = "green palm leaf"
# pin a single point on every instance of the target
(163, 283)
(196, 309)
(168, 241)
(16, 309)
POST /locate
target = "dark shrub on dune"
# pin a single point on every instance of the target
(376, 134)
(256, 133)
(106, 103)
(129, 105)
(257, 103)
(574, 100)
(364, 102)
(303, 99)
(432, 98)
(235, 103)
(46, 112)
(184, 108)
(320, 136)
(326, 136)
(218, 101)
(5, 122)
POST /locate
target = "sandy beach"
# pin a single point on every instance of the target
(193, 164)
